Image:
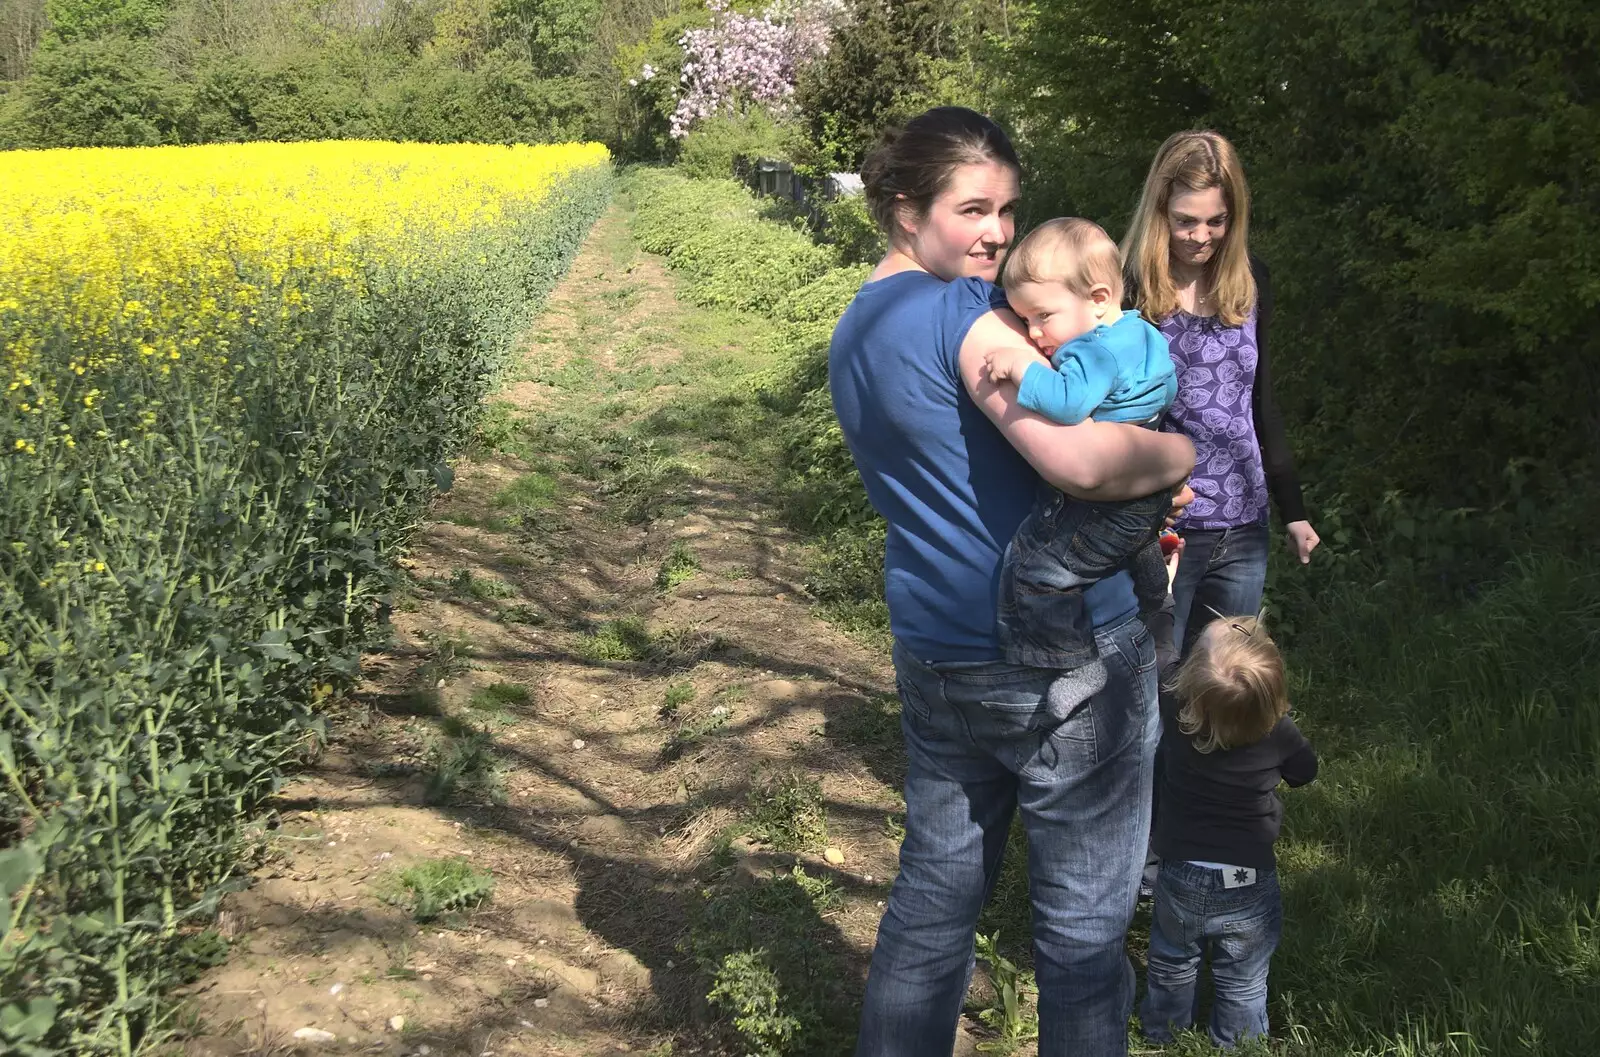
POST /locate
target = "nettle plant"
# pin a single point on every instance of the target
(744, 60)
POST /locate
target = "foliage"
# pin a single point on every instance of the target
(232, 389)
(774, 969)
(678, 695)
(463, 769)
(1008, 1016)
(72, 20)
(669, 209)
(709, 232)
(198, 71)
(498, 697)
(892, 60)
(715, 144)
(736, 265)
(678, 566)
(1424, 183)
(848, 227)
(787, 811)
(98, 93)
(438, 886)
(625, 639)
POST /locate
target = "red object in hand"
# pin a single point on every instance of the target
(1169, 542)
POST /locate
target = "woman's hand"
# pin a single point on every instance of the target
(1303, 539)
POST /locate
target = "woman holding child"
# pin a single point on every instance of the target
(1190, 272)
(953, 462)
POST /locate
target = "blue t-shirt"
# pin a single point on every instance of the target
(949, 484)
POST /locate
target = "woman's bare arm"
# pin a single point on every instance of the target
(1091, 460)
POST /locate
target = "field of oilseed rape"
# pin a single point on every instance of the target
(232, 376)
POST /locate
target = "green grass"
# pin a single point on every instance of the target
(500, 697)
(433, 888)
(525, 497)
(692, 730)
(679, 566)
(629, 639)
(678, 695)
(625, 639)
(466, 583)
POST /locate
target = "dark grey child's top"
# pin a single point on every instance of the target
(1221, 806)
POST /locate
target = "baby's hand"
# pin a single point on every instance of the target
(1009, 365)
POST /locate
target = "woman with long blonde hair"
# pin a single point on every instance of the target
(1189, 271)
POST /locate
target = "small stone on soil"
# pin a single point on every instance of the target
(397, 1023)
(833, 856)
(577, 743)
(541, 1003)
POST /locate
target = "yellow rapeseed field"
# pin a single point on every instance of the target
(155, 253)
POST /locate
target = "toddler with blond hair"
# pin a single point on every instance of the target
(1096, 360)
(1227, 741)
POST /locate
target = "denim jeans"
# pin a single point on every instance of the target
(1241, 927)
(1225, 569)
(1062, 547)
(1072, 750)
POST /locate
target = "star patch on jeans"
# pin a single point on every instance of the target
(1238, 877)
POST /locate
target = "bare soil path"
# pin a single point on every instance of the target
(606, 692)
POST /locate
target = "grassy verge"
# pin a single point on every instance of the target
(1442, 883)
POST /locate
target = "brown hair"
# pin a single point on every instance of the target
(1194, 161)
(1069, 250)
(1233, 688)
(911, 165)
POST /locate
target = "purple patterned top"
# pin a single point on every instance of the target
(1216, 367)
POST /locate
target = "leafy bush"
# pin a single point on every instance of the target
(710, 149)
(848, 227)
(669, 209)
(711, 233)
(98, 93)
(1432, 302)
(734, 264)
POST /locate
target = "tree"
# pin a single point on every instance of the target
(72, 20)
(100, 93)
(22, 26)
(1426, 185)
(893, 59)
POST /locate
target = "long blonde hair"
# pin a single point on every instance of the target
(1195, 161)
(1233, 687)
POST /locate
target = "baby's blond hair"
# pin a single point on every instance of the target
(1068, 250)
(1233, 687)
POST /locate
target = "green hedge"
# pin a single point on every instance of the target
(711, 233)
(1424, 181)
(179, 590)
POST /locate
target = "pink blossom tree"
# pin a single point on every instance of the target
(740, 60)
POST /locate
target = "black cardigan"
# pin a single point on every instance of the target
(1276, 460)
